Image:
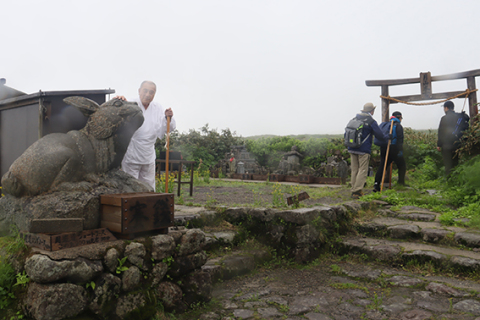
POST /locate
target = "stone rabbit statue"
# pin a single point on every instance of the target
(77, 155)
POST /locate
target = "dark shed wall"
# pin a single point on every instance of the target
(19, 131)
(20, 120)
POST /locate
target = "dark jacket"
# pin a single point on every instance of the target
(371, 129)
(397, 141)
(446, 139)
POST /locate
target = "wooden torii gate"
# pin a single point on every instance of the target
(425, 80)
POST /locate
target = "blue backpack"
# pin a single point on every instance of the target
(385, 127)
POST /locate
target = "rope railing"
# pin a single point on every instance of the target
(466, 94)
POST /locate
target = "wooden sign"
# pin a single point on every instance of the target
(130, 213)
(53, 242)
(426, 85)
(299, 197)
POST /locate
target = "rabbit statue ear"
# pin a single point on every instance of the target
(86, 106)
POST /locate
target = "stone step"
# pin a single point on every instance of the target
(400, 252)
(430, 231)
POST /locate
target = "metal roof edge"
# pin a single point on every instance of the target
(54, 93)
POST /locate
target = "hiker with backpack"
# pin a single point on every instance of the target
(395, 152)
(450, 132)
(358, 139)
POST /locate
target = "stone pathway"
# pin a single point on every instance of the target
(415, 234)
(345, 291)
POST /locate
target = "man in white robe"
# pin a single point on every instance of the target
(139, 160)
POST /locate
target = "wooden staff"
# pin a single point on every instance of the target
(391, 169)
(386, 158)
(167, 156)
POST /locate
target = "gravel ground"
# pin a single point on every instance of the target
(247, 196)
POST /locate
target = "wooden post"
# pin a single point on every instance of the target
(167, 154)
(385, 104)
(472, 98)
(179, 179)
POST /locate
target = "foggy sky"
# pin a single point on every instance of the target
(254, 66)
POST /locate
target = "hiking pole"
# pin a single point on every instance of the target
(167, 156)
(386, 157)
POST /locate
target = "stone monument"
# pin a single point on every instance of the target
(293, 158)
(63, 175)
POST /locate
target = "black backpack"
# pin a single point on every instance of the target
(354, 133)
(461, 125)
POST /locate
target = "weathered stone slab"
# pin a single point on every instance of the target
(434, 306)
(404, 281)
(56, 301)
(237, 265)
(136, 254)
(243, 313)
(57, 225)
(303, 304)
(383, 252)
(434, 235)
(107, 287)
(444, 289)
(417, 216)
(469, 239)
(131, 279)
(192, 241)
(394, 308)
(369, 274)
(471, 306)
(464, 262)
(371, 228)
(301, 216)
(423, 255)
(277, 300)
(42, 269)
(316, 316)
(268, 313)
(163, 246)
(403, 231)
(416, 314)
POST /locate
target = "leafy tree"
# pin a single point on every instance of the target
(207, 144)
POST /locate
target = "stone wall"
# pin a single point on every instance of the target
(118, 280)
(127, 279)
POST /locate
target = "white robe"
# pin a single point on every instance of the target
(141, 149)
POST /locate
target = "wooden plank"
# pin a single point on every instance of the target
(299, 197)
(112, 226)
(37, 240)
(77, 239)
(426, 85)
(111, 213)
(111, 199)
(138, 212)
(394, 82)
(435, 96)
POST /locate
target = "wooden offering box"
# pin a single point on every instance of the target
(129, 213)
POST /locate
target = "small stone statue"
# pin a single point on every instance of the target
(232, 164)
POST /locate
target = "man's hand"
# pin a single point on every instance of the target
(390, 136)
(439, 149)
(120, 98)
(169, 112)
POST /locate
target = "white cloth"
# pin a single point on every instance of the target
(141, 149)
(142, 172)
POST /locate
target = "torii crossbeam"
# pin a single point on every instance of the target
(425, 80)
